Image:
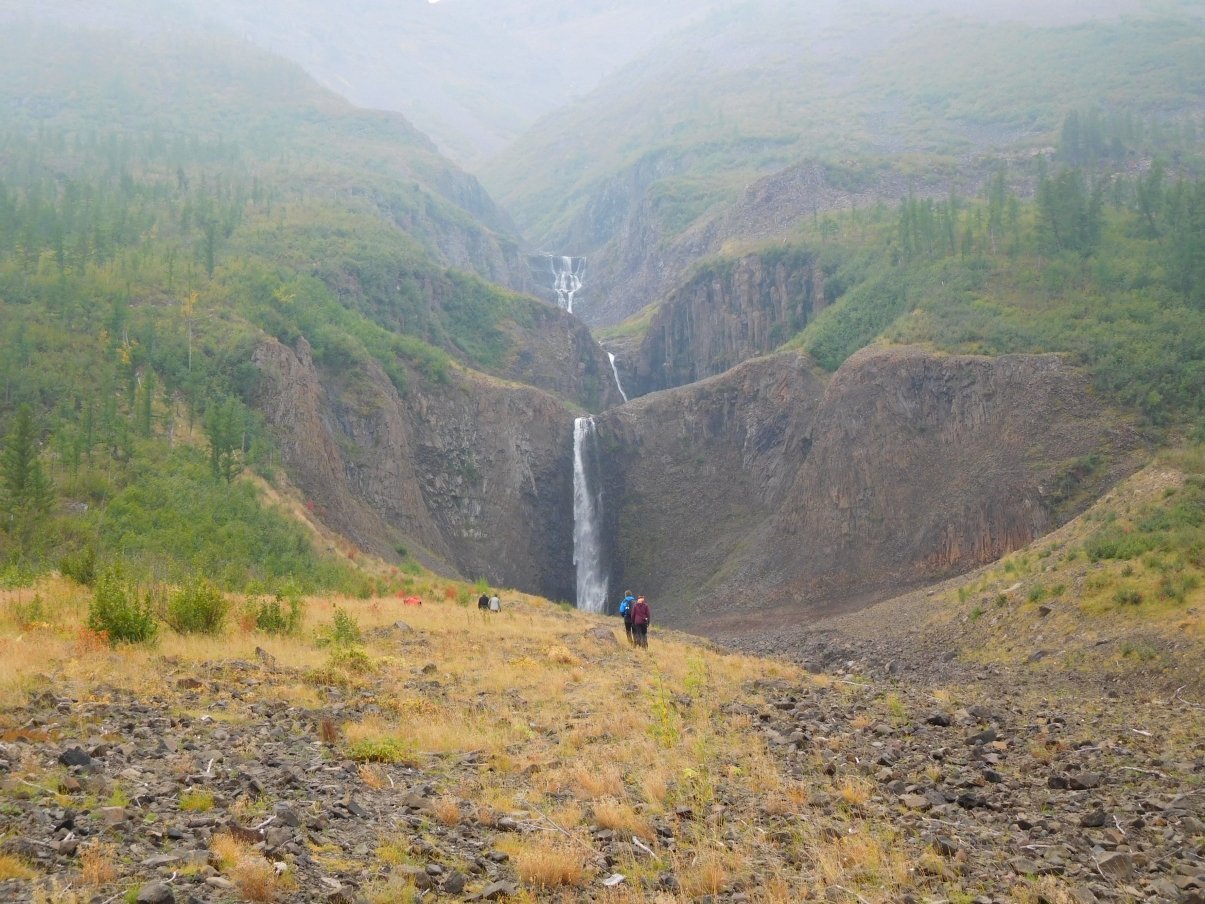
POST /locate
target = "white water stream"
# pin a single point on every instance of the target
(615, 370)
(566, 279)
(587, 531)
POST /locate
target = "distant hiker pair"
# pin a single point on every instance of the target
(636, 617)
(490, 603)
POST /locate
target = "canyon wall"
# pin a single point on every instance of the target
(730, 311)
(769, 492)
(472, 476)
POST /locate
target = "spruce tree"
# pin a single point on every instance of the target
(25, 493)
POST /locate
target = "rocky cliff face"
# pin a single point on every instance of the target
(637, 264)
(473, 476)
(727, 313)
(769, 489)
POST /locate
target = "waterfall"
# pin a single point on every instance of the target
(615, 370)
(566, 279)
(587, 540)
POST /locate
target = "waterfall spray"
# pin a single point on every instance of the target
(566, 279)
(587, 546)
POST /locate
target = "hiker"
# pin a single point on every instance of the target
(495, 604)
(641, 616)
(625, 612)
(483, 601)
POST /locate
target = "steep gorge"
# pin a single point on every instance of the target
(769, 492)
(470, 475)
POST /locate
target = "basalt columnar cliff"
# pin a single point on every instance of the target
(771, 487)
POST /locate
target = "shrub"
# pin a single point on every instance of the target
(197, 608)
(80, 566)
(196, 801)
(282, 614)
(352, 660)
(120, 610)
(343, 632)
(31, 614)
(1126, 596)
(381, 750)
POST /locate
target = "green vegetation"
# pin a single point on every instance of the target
(197, 607)
(344, 631)
(121, 610)
(1107, 270)
(144, 259)
(1172, 530)
(281, 614)
(698, 119)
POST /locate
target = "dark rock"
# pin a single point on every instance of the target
(1084, 781)
(941, 720)
(1116, 865)
(945, 846)
(495, 891)
(602, 634)
(75, 756)
(454, 883)
(984, 737)
(155, 893)
(1094, 820)
(286, 816)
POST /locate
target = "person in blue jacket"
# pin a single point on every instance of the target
(625, 612)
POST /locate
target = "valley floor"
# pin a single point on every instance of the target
(533, 756)
(999, 738)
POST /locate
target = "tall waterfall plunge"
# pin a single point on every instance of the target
(587, 522)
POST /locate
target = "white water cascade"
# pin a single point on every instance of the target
(615, 370)
(566, 279)
(587, 531)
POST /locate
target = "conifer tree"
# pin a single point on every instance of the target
(25, 492)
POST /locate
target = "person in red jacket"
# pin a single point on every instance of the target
(641, 616)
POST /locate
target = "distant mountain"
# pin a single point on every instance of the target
(473, 75)
(676, 137)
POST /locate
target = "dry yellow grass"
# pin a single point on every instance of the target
(256, 879)
(705, 874)
(545, 864)
(374, 777)
(12, 867)
(56, 892)
(622, 817)
(854, 792)
(98, 863)
(446, 810)
(550, 712)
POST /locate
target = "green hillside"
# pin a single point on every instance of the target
(1110, 271)
(164, 206)
(766, 84)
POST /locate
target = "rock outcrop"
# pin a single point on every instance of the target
(636, 261)
(473, 476)
(770, 488)
(730, 311)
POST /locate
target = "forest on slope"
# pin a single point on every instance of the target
(166, 205)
